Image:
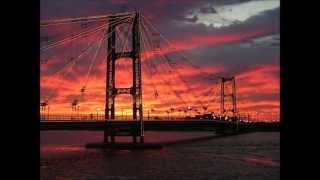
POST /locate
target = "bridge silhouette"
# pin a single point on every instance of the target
(132, 36)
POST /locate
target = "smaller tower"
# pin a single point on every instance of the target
(225, 84)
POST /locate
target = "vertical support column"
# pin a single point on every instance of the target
(234, 97)
(110, 76)
(110, 81)
(234, 104)
(134, 69)
(136, 76)
(137, 81)
(222, 97)
(136, 89)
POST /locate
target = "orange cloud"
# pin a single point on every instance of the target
(173, 91)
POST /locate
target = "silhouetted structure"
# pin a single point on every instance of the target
(232, 95)
(136, 89)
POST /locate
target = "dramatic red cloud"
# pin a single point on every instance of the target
(218, 39)
(172, 90)
(260, 81)
(256, 80)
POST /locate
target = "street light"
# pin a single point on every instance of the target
(48, 112)
(122, 113)
(97, 110)
(189, 110)
(172, 110)
(78, 113)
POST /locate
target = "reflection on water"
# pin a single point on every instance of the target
(262, 160)
(248, 156)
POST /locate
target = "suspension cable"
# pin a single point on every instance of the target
(178, 52)
(147, 69)
(84, 51)
(93, 61)
(84, 87)
(152, 66)
(72, 38)
(125, 43)
(79, 35)
(82, 19)
(149, 41)
(69, 67)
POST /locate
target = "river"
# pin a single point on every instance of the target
(247, 156)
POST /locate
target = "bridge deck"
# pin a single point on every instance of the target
(162, 125)
(148, 125)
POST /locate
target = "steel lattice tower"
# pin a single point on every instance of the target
(232, 95)
(136, 89)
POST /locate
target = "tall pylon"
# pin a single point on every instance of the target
(225, 96)
(136, 89)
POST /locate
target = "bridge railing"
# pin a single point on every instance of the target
(65, 117)
(100, 117)
(83, 117)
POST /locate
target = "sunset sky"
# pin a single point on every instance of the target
(238, 38)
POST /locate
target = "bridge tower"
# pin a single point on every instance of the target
(134, 54)
(136, 89)
(225, 83)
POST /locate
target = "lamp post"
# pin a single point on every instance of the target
(122, 113)
(78, 113)
(97, 110)
(189, 110)
(172, 111)
(48, 112)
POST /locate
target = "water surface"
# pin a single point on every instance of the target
(247, 156)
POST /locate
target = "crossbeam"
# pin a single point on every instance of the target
(123, 90)
(123, 55)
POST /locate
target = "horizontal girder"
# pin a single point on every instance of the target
(124, 55)
(123, 90)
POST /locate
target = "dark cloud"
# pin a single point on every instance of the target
(193, 19)
(209, 9)
(270, 40)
